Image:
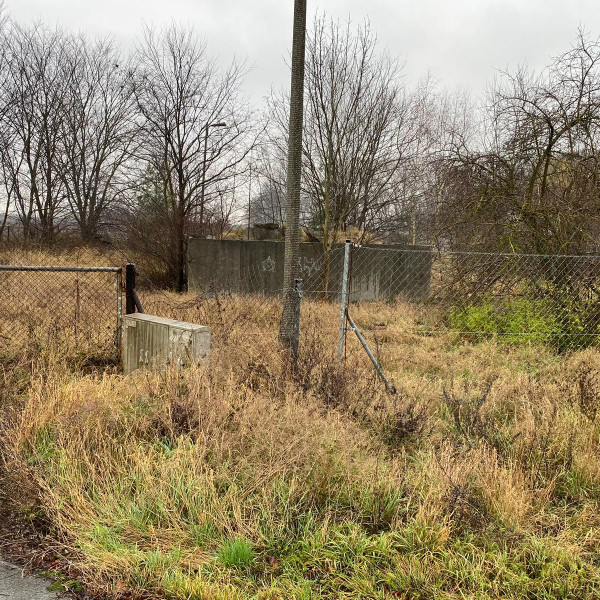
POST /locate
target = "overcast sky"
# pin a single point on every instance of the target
(461, 42)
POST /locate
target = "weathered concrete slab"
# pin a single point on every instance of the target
(15, 586)
(155, 342)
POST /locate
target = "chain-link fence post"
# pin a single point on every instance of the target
(344, 298)
(119, 290)
(132, 301)
(129, 288)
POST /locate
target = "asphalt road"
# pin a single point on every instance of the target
(14, 586)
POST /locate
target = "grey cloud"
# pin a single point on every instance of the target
(461, 41)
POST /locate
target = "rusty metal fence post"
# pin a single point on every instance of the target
(132, 301)
(119, 292)
(129, 288)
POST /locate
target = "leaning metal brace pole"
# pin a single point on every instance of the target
(291, 265)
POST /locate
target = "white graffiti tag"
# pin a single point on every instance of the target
(310, 266)
(268, 265)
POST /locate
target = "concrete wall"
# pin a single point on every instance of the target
(378, 272)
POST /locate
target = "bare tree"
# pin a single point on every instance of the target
(267, 203)
(531, 183)
(97, 131)
(443, 120)
(5, 142)
(34, 91)
(356, 129)
(196, 131)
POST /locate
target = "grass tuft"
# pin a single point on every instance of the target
(236, 553)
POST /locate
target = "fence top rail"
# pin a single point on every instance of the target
(60, 269)
(435, 252)
(519, 255)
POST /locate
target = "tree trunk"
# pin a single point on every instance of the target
(326, 234)
(181, 249)
(288, 333)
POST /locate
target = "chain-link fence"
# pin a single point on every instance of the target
(77, 310)
(393, 295)
(519, 298)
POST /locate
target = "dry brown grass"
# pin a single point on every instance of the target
(480, 479)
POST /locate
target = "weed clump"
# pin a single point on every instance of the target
(236, 553)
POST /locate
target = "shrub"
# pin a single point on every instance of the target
(563, 322)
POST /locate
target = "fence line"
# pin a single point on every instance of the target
(552, 300)
(60, 269)
(521, 298)
(77, 309)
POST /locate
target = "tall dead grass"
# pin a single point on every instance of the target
(480, 479)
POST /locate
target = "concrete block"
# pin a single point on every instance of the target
(155, 342)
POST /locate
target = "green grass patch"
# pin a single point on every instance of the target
(562, 322)
(236, 553)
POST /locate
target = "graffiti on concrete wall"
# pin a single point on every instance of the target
(268, 265)
(309, 266)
